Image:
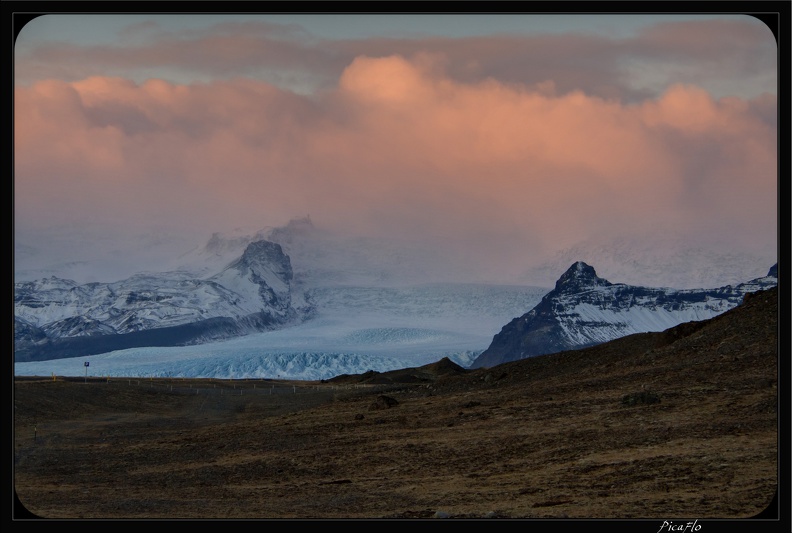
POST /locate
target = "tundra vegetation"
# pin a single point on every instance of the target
(654, 425)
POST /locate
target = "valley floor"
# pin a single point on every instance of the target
(556, 439)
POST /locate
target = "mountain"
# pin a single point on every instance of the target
(584, 310)
(57, 318)
(351, 330)
(367, 309)
(667, 261)
(425, 374)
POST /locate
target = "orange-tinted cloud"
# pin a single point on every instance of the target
(498, 173)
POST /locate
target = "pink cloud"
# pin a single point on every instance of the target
(399, 148)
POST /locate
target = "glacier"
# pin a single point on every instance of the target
(337, 306)
(355, 330)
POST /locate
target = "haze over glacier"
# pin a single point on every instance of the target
(366, 315)
(367, 312)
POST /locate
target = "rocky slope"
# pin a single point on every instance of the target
(584, 310)
(59, 318)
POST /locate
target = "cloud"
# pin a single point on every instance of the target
(737, 54)
(498, 174)
(744, 41)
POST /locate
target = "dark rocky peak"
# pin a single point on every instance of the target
(445, 366)
(773, 272)
(579, 276)
(266, 255)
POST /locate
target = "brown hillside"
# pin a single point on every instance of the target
(659, 425)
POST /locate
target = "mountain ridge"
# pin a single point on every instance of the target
(584, 310)
(57, 318)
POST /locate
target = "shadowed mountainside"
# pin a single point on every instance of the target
(584, 310)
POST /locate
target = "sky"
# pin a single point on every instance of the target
(496, 140)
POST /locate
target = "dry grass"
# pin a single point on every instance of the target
(547, 437)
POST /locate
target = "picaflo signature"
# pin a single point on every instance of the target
(679, 527)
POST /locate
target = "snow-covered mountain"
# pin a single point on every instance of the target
(325, 304)
(585, 309)
(342, 306)
(60, 318)
(353, 329)
(667, 261)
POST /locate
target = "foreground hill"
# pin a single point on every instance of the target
(653, 425)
